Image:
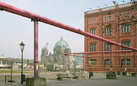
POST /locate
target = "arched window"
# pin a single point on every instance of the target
(93, 62)
(93, 31)
(123, 63)
(107, 63)
(125, 28)
(108, 30)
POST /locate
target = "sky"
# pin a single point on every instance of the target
(14, 28)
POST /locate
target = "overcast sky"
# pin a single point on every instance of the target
(15, 28)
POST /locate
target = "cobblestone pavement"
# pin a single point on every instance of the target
(98, 79)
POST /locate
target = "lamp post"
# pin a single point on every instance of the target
(22, 48)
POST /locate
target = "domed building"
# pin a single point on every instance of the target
(61, 47)
(57, 57)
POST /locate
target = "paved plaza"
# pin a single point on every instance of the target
(98, 79)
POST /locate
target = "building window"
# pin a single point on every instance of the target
(105, 18)
(107, 63)
(125, 43)
(93, 47)
(123, 63)
(93, 62)
(107, 47)
(95, 20)
(93, 31)
(125, 15)
(92, 20)
(108, 30)
(108, 18)
(125, 28)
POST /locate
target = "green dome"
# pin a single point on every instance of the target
(61, 43)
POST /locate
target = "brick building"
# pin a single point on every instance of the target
(117, 23)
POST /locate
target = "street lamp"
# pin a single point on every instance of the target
(22, 48)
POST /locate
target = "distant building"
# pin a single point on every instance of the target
(57, 58)
(16, 62)
(2, 56)
(117, 23)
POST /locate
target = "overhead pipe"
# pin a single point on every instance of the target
(115, 51)
(30, 15)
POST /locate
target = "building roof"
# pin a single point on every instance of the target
(61, 43)
(109, 8)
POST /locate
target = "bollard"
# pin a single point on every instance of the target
(90, 74)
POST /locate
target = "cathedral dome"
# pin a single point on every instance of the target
(61, 43)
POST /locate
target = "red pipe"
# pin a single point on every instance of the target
(66, 62)
(116, 51)
(30, 15)
(77, 55)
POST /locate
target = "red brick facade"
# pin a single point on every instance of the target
(122, 23)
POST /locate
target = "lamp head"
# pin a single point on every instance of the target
(22, 46)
